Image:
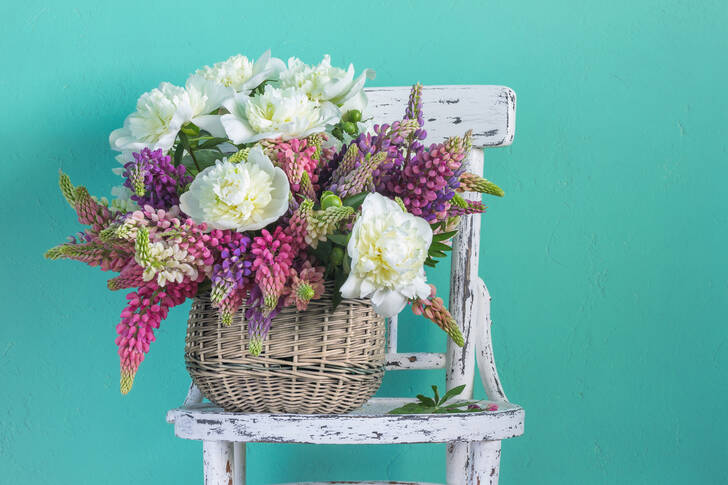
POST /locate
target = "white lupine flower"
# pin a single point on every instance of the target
(160, 114)
(327, 83)
(388, 248)
(167, 263)
(241, 196)
(276, 113)
(241, 74)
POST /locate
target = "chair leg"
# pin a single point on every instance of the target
(239, 463)
(484, 463)
(218, 459)
(458, 460)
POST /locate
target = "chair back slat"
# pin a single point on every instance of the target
(490, 111)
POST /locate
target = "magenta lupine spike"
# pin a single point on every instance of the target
(229, 305)
(154, 180)
(130, 276)
(295, 157)
(307, 283)
(272, 258)
(145, 309)
(298, 225)
(91, 212)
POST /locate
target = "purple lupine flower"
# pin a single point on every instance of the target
(231, 273)
(154, 180)
(259, 321)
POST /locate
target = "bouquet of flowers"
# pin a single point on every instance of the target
(257, 182)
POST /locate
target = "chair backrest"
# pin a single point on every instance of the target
(490, 111)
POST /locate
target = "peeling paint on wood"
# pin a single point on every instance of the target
(490, 111)
(417, 360)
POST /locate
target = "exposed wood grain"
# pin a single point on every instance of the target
(415, 360)
(490, 111)
(392, 326)
(368, 425)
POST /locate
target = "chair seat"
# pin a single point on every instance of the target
(369, 424)
(359, 483)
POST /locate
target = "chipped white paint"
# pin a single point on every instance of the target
(368, 425)
(392, 334)
(359, 483)
(217, 459)
(484, 347)
(490, 111)
(415, 360)
(463, 307)
(483, 463)
(473, 439)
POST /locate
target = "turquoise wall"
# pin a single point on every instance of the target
(606, 259)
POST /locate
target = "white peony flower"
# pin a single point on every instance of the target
(327, 83)
(241, 74)
(242, 196)
(206, 96)
(276, 113)
(160, 114)
(388, 248)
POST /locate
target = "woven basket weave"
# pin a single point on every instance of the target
(315, 361)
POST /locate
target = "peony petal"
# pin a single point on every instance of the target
(388, 303)
(237, 130)
(211, 124)
(351, 287)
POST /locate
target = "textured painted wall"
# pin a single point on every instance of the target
(606, 259)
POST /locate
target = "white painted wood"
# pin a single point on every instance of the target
(484, 463)
(367, 425)
(217, 458)
(238, 463)
(392, 337)
(415, 360)
(463, 306)
(194, 396)
(484, 347)
(490, 111)
(359, 483)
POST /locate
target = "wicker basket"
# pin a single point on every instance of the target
(315, 361)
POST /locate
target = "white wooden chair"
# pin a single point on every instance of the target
(474, 439)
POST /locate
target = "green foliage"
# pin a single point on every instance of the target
(438, 248)
(436, 405)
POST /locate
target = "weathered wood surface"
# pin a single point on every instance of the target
(483, 466)
(415, 360)
(490, 111)
(218, 461)
(460, 367)
(359, 483)
(368, 425)
(484, 347)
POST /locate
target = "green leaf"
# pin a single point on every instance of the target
(212, 142)
(430, 262)
(413, 408)
(437, 254)
(444, 236)
(427, 401)
(455, 391)
(340, 239)
(440, 246)
(437, 394)
(178, 152)
(355, 200)
(205, 158)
